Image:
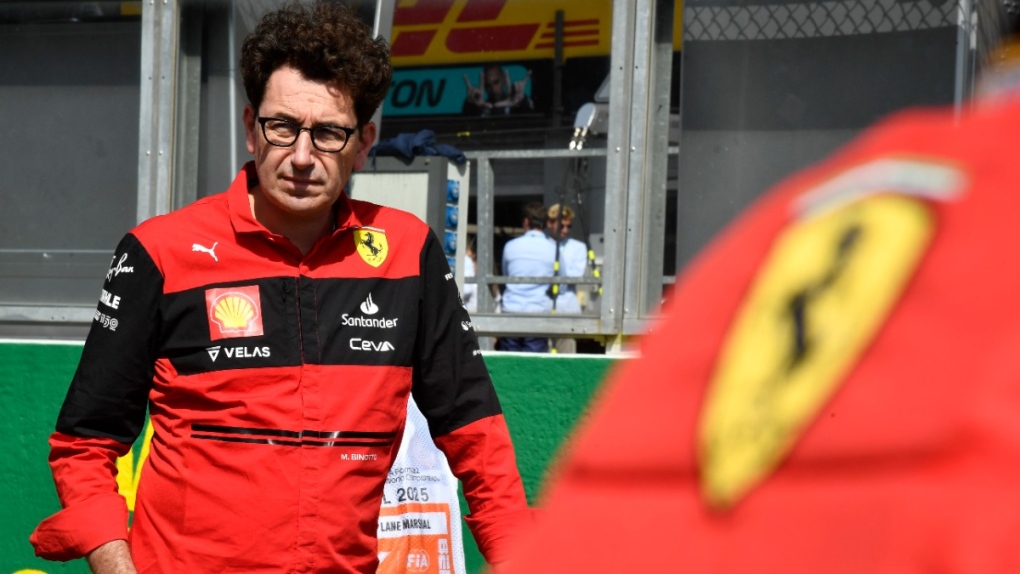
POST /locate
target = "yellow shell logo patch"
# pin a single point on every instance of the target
(234, 313)
(822, 294)
(371, 245)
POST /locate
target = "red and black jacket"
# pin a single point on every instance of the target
(276, 385)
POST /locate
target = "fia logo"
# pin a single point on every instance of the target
(417, 560)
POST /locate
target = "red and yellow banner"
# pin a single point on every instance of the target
(434, 32)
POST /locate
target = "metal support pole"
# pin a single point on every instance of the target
(621, 82)
(383, 27)
(965, 36)
(188, 106)
(557, 115)
(653, 46)
(155, 137)
(484, 250)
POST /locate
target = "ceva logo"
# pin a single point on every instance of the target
(359, 344)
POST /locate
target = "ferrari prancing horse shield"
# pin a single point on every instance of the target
(822, 294)
(371, 245)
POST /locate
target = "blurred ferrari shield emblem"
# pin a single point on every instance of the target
(372, 246)
(823, 292)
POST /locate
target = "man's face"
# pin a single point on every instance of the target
(300, 182)
(558, 230)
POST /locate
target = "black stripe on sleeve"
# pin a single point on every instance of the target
(451, 383)
(109, 392)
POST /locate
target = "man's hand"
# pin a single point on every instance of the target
(516, 94)
(476, 95)
(114, 557)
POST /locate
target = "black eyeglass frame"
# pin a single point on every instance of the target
(348, 132)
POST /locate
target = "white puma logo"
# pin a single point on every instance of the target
(210, 250)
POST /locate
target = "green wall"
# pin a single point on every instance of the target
(542, 398)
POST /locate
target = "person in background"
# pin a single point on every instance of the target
(470, 292)
(572, 261)
(835, 383)
(530, 255)
(496, 94)
(274, 334)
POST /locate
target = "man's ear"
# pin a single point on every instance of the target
(366, 137)
(248, 117)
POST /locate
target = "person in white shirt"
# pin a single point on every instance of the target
(470, 292)
(530, 255)
(573, 262)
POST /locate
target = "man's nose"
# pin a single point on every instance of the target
(302, 151)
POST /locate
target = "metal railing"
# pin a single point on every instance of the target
(486, 321)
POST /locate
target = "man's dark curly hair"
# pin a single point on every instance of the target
(325, 42)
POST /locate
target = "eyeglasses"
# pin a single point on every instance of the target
(283, 133)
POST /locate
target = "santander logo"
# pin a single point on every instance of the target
(369, 307)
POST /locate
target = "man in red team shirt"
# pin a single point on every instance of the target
(274, 333)
(836, 384)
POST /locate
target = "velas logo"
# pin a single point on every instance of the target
(237, 352)
(234, 312)
(372, 245)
